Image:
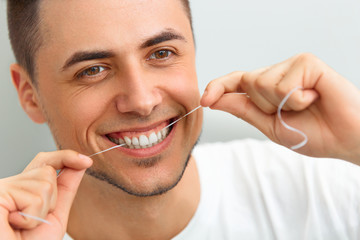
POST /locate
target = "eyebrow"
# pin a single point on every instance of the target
(164, 36)
(82, 56)
(86, 56)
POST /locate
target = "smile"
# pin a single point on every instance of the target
(141, 139)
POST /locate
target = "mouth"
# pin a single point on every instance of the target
(142, 138)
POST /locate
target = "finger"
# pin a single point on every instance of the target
(279, 80)
(216, 88)
(42, 181)
(242, 107)
(68, 184)
(255, 96)
(262, 89)
(5, 229)
(30, 204)
(296, 77)
(60, 159)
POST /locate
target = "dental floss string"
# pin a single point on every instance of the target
(117, 146)
(34, 217)
(281, 105)
(182, 117)
(107, 150)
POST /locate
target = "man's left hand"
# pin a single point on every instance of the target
(327, 109)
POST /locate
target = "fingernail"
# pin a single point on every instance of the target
(84, 157)
(205, 93)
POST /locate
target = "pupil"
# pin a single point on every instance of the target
(162, 54)
(93, 70)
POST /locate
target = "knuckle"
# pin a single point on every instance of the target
(306, 58)
(38, 201)
(40, 155)
(246, 80)
(47, 187)
(281, 91)
(235, 74)
(262, 84)
(48, 173)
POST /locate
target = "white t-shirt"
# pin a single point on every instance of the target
(259, 190)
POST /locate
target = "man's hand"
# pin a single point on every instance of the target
(37, 191)
(327, 110)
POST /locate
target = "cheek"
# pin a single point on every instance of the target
(68, 109)
(183, 87)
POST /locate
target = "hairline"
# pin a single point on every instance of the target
(26, 57)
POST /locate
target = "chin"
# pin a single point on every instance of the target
(156, 181)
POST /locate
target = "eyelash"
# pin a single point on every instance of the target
(169, 53)
(152, 57)
(84, 72)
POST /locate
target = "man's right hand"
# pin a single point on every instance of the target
(38, 192)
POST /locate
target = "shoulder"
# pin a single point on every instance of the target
(269, 186)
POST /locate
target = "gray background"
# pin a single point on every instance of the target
(231, 35)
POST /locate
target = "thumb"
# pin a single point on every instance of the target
(68, 184)
(242, 107)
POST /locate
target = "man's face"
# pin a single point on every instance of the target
(117, 70)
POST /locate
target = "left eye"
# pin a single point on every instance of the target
(92, 71)
(162, 54)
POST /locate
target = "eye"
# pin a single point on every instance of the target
(160, 55)
(92, 71)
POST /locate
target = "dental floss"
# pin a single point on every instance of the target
(117, 146)
(34, 217)
(182, 117)
(281, 105)
(301, 144)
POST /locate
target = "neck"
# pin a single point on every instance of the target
(114, 214)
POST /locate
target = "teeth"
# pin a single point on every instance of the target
(135, 141)
(143, 140)
(127, 141)
(153, 138)
(164, 132)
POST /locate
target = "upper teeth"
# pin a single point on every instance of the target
(143, 141)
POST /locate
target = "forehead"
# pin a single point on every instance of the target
(75, 23)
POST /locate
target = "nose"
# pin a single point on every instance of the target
(139, 93)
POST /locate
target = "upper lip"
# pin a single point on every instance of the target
(142, 128)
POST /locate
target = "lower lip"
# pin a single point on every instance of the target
(147, 152)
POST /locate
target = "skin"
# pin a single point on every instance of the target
(133, 92)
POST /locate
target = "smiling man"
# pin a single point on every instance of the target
(105, 73)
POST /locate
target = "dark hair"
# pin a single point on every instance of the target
(24, 31)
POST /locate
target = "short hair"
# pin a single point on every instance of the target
(24, 31)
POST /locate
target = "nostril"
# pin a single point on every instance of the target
(140, 101)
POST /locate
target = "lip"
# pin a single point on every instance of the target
(135, 131)
(146, 152)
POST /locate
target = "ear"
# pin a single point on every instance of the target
(27, 93)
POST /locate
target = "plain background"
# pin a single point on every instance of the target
(230, 35)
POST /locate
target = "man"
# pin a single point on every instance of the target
(103, 74)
